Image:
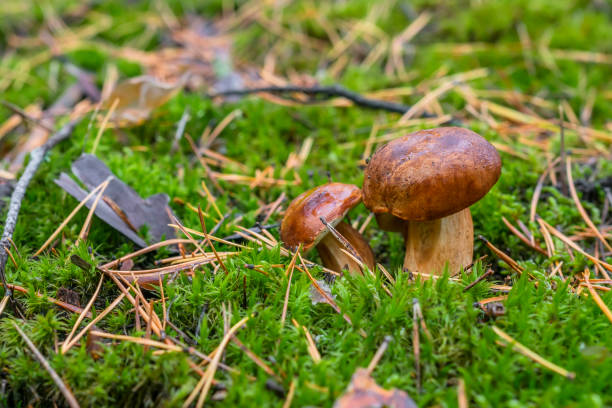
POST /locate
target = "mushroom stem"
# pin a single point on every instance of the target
(431, 244)
(332, 256)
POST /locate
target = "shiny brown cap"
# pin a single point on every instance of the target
(430, 174)
(302, 223)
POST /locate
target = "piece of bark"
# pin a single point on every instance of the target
(151, 211)
(103, 210)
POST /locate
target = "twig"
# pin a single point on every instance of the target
(326, 92)
(379, 353)
(480, 278)
(36, 158)
(70, 399)
(16, 109)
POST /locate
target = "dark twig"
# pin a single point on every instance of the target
(479, 279)
(36, 158)
(70, 399)
(16, 109)
(326, 92)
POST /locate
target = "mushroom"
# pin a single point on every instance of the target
(303, 224)
(422, 185)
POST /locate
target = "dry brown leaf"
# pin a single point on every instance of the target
(363, 392)
(138, 97)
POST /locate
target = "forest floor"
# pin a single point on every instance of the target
(532, 77)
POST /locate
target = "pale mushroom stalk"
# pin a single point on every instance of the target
(431, 244)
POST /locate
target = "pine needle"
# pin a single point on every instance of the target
(70, 216)
(70, 399)
(533, 356)
(82, 315)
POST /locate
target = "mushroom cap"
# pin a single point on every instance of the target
(430, 174)
(302, 223)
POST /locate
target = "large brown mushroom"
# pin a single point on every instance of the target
(302, 224)
(422, 185)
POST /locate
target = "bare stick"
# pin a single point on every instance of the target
(70, 399)
(36, 158)
(379, 353)
(16, 109)
(326, 92)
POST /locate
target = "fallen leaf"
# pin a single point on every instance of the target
(316, 297)
(152, 212)
(138, 97)
(363, 392)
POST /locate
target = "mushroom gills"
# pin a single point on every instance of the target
(431, 244)
(332, 257)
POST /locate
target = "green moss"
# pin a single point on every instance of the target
(567, 329)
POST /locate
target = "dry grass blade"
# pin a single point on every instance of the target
(222, 125)
(201, 216)
(206, 381)
(573, 245)
(70, 399)
(256, 359)
(378, 355)
(328, 298)
(212, 200)
(604, 308)
(70, 216)
(103, 125)
(87, 223)
(69, 344)
(585, 216)
(143, 251)
(522, 237)
(312, 347)
(502, 255)
(82, 315)
(137, 340)
(289, 270)
(462, 400)
(63, 305)
(533, 356)
(3, 303)
(290, 394)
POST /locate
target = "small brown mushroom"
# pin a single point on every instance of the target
(422, 185)
(302, 225)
